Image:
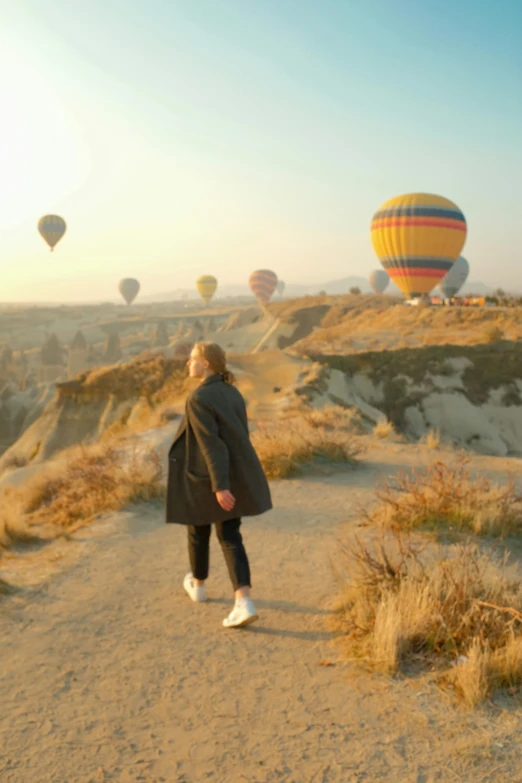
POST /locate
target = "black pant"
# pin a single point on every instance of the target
(233, 549)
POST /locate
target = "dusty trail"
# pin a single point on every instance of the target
(110, 673)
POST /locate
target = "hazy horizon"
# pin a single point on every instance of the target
(202, 138)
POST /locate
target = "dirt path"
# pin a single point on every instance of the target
(110, 673)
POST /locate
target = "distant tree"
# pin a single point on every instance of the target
(355, 290)
(322, 293)
(499, 292)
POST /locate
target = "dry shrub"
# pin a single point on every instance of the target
(383, 429)
(471, 678)
(310, 438)
(402, 602)
(433, 438)
(494, 335)
(95, 479)
(329, 418)
(450, 495)
(151, 375)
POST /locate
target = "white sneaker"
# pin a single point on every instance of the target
(198, 593)
(243, 613)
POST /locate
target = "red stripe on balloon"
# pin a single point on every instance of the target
(412, 221)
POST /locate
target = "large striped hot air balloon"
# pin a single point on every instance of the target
(417, 238)
(455, 278)
(263, 283)
(206, 286)
(378, 280)
(52, 228)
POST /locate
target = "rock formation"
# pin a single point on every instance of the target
(77, 360)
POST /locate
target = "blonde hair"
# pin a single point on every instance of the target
(216, 358)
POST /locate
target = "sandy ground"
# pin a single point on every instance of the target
(110, 673)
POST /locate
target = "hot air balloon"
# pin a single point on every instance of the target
(378, 280)
(52, 228)
(263, 284)
(280, 287)
(455, 278)
(417, 238)
(206, 286)
(128, 288)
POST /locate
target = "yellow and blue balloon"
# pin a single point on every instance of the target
(206, 286)
(52, 228)
(417, 238)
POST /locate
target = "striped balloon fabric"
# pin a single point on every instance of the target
(206, 286)
(263, 283)
(417, 238)
(52, 228)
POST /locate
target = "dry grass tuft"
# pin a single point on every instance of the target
(448, 495)
(456, 610)
(330, 418)
(96, 479)
(471, 678)
(433, 439)
(325, 435)
(383, 429)
(494, 335)
(149, 374)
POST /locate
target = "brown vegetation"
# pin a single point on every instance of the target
(448, 495)
(383, 429)
(91, 480)
(381, 323)
(325, 435)
(151, 375)
(403, 604)
(494, 334)
(433, 438)
(406, 600)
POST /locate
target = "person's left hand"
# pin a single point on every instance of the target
(226, 500)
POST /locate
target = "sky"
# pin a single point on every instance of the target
(188, 137)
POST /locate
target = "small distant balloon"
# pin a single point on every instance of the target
(52, 228)
(206, 286)
(263, 283)
(128, 288)
(280, 287)
(455, 279)
(379, 280)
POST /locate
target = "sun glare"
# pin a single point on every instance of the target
(43, 157)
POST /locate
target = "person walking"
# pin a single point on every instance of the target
(215, 477)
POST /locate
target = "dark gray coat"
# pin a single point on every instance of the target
(211, 452)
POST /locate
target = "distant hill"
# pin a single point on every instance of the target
(294, 290)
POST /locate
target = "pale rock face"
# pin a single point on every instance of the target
(367, 390)
(466, 423)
